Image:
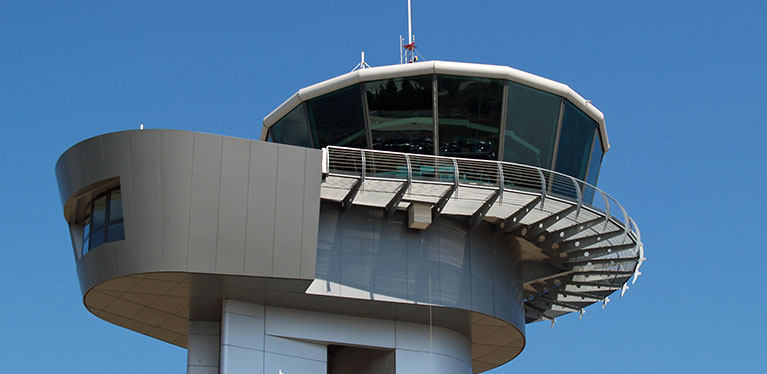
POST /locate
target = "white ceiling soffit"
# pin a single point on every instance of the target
(438, 67)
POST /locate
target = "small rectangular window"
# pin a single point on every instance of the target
(86, 235)
(97, 238)
(115, 206)
(115, 232)
(103, 221)
(99, 212)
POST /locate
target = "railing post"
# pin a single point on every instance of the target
(501, 182)
(607, 208)
(409, 169)
(362, 174)
(625, 218)
(543, 187)
(455, 172)
(579, 196)
(325, 161)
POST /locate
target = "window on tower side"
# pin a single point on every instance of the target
(103, 220)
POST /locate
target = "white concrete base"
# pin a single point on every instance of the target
(203, 347)
(271, 340)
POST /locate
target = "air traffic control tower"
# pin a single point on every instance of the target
(398, 219)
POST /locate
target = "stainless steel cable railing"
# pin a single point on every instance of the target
(604, 259)
(394, 166)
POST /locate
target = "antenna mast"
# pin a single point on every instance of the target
(409, 23)
(410, 55)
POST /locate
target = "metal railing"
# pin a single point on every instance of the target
(499, 176)
(461, 172)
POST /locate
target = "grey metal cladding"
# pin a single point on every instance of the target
(447, 264)
(311, 209)
(262, 192)
(232, 210)
(288, 215)
(145, 197)
(69, 174)
(176, 193)
(199, 203)
(206, 183)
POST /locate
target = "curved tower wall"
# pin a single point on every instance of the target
(196, 203)
(210, 218)
(360, 255)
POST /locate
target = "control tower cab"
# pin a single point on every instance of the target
(398, 219)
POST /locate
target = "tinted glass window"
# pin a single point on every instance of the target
(115, 206)
(337, 119)
(574, 142)
(99, 211)
(115, 232)
(596, 160)
(400, 114)
(108, 211)
(469, 116)
(292, 129)
(86, 235)
(97, 238)
(531, 126)
(593, 172)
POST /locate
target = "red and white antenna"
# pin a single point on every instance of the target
(409, 54)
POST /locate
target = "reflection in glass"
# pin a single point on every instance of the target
(115, 206)
(97, 238)
(115, 232)
(596, 160)
(594, 164)
(86, 235)
(99, 211)
(107, 205)
(292, 129)
(574, 142)
(401, 115)
(531, 126)
(337, 119)
(469, 116)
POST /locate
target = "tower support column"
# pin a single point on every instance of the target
(265, 339)
(248, 345)
(203, 347)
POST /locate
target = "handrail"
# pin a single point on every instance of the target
(454, 173)
(388, 165)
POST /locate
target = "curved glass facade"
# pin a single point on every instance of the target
(469, 116)
(400, 114)
(532, 119)
(293, 129)
(338, 118)
(453, 116)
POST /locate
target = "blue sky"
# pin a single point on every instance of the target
(681, 85)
